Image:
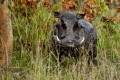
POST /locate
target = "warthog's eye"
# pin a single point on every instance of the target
(77, 37)
(75, 27)
(63, 25)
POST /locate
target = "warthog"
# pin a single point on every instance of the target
(73, 32)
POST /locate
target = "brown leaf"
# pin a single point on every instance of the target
(115, 19)
(30, 3)
(112, 18)
(21, 1)
(76, 1)
(47, 3)
(89, 17)
(28, 9)
(105, 19)
(68, 5)
(118, 9)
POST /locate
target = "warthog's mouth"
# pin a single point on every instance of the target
(69, 44)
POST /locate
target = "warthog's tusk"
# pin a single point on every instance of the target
(56, 38)
(82, 40)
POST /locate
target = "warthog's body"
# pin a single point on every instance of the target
(73, 32)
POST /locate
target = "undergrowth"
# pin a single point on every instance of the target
(32, 54)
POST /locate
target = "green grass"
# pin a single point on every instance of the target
(32, 55)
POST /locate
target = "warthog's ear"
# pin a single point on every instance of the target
(80, 16)
(2, 1)
(57, 14)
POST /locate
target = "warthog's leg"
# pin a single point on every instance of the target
(92, 56)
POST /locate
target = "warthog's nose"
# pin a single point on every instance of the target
(70, 43)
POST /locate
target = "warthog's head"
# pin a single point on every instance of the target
(68, 31)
